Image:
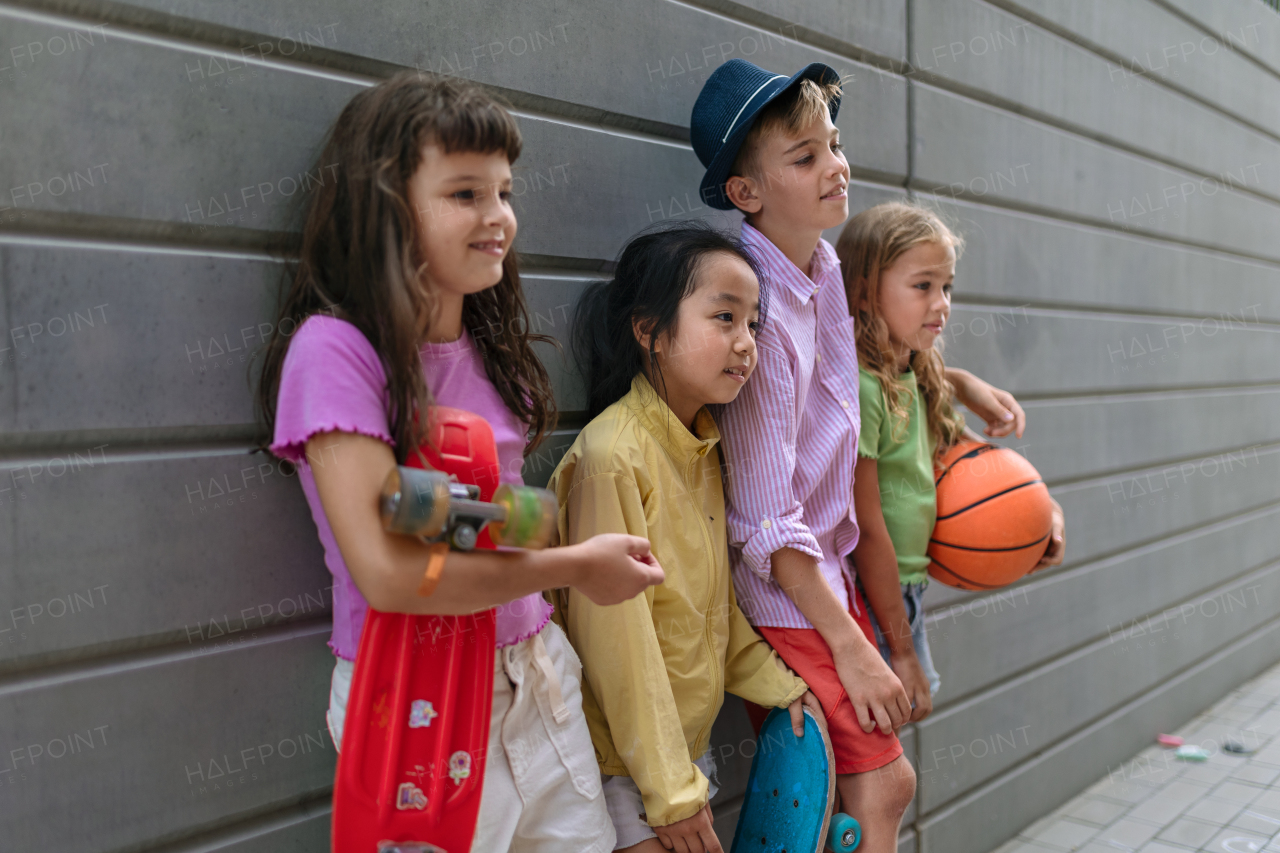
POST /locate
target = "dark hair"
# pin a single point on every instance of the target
(657, 269)
(358, 257)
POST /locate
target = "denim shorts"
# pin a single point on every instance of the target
(912, 598)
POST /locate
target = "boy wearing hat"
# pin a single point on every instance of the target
(772, 151)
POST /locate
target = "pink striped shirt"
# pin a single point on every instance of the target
(791, 436)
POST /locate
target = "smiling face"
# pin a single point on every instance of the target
(462, 206)
(915, 297)
(711, 351)
(799, 181)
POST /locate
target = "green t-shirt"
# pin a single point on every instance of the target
(907, 495)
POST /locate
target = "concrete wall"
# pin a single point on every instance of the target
(1113, 163)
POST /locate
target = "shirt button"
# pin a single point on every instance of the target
(844, 403)
(817, 357)
(766, 524)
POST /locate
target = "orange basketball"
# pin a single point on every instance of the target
(994, 517)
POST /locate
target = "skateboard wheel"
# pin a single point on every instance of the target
(531, 517)
(845, 834)
(415, 502)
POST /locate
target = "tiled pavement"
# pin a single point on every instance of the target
(1154, 803)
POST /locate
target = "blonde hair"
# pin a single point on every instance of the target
(870, 243)
(793, 111)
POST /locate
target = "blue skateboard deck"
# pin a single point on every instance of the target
(790, 792)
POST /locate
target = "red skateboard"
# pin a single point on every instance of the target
(413, 746)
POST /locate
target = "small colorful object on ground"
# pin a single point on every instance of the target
(1235, 747)
(790, 793)
(1169, 740)
(1187, 752)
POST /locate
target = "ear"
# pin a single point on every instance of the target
(641, 330)
(744, 193)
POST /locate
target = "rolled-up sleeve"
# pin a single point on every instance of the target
(759, 435)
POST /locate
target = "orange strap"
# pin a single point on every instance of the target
(435, 567)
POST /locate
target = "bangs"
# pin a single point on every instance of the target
(469, 120)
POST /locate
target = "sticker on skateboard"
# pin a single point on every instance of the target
(790, 792)
(417, 729)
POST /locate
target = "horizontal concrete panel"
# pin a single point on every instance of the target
(107, 339)
(1166, 47)
(660, 52)
(164, 744)
(995, 812)
(111, 553)
(207, 163)
(879, 26)
(1088, 436)
(1139, 506)
(300, 830)
(178, 154)
(974, 43)
(964, 746)
(1024, 258)
(970, 640)
(966, 147)
(1031, 350)
(1240, 18)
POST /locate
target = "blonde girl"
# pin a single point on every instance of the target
(898, 262)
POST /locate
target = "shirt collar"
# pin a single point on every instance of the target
(656, 417)
(783, 272)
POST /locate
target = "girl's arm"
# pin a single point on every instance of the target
(877, 566)
(387, 568)
(998, 408)
(1003, 416)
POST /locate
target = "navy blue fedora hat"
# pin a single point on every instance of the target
(727, 106)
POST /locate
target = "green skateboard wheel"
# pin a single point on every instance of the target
(531, 517)
(845, 833)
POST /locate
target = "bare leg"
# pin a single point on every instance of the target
(878, 799)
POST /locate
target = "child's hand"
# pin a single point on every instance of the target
(691, 835)
(874, 691)
(1057, 541)
(998, 408)
(808, 700)
(613, 567)
(907, 667)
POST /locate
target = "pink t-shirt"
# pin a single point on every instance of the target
(332, 380)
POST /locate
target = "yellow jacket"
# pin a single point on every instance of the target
(656, 667)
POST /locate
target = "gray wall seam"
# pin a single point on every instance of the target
(21, 681)
(1043, 579)
(975, 794)
(1202, 27)
(1012, 7)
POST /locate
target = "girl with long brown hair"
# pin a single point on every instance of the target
(406, 294)
(898, 262)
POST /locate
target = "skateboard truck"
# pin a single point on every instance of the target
(430, 504)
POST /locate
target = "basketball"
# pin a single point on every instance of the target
(994, 517)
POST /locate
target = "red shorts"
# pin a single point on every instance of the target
(809, 657)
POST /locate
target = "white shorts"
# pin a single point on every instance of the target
(626, 805)
(542, 787)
